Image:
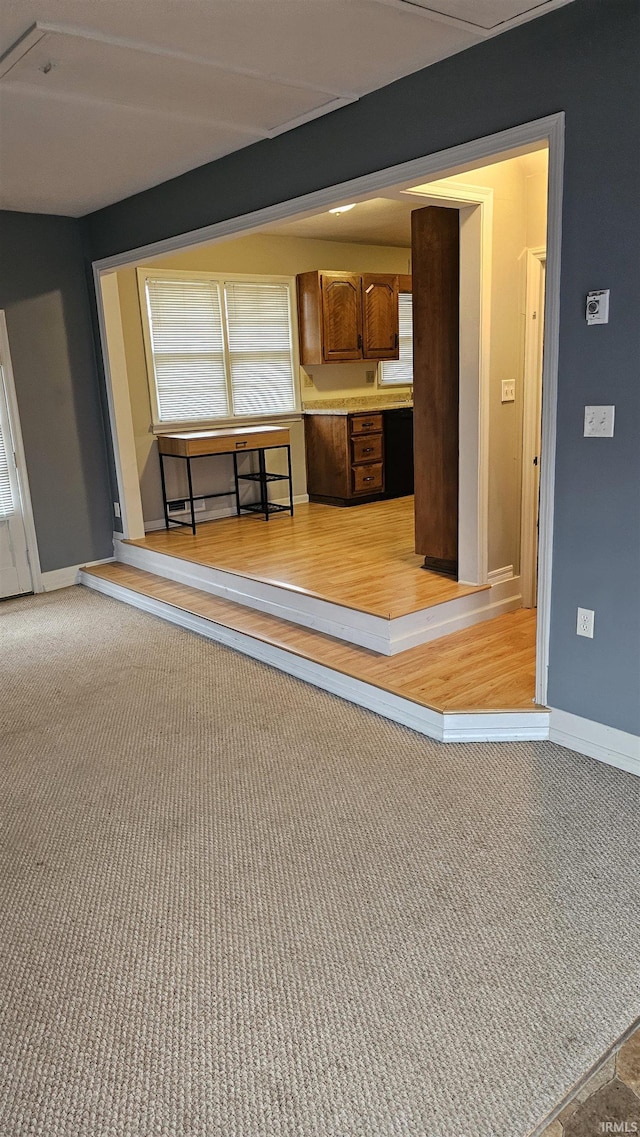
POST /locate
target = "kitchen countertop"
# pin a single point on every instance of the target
(355, 406)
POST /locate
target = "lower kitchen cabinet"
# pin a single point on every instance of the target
(345, 458)
(359, 457)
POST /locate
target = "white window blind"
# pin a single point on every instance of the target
(185, 322)
(219, 348)
(400, 371)
(7, 504)
(6, 495)
(259, 336)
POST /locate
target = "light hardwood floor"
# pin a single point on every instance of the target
(489, 667)
(362, 558)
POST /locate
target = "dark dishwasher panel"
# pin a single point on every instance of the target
(398, 452)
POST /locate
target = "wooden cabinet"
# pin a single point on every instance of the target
(345, 457)
(435, 244)
(344, 317)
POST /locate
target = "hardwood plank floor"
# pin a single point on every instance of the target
(362, 558)
(490, 667)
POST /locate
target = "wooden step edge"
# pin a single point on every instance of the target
(110, 572)
(103, 572)
(466, 589)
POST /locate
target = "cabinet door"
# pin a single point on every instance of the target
(341, 317)
(380, 316)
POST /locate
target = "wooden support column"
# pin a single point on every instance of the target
(435, 263)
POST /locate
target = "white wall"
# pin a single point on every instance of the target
(519, 221)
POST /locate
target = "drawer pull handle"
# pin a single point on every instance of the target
(240, 444)
(365, 424)
(367, 450)
(370, 479)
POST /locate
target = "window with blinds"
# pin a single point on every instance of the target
(6, 494)
(219, 348)
(399, 372)
(7, 504)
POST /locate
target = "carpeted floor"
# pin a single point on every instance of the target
(234, 905)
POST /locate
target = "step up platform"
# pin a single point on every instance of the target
(385, 632)
(471, 686)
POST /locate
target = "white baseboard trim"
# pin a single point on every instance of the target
(215, 514)
(499, 575)
(605, 743)
(444, 728)
(65, 577)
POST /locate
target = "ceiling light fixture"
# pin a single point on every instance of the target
(342, 208)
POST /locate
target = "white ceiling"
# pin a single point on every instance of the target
(99, 100)
(386, 220)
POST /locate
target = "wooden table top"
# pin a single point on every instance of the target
(191, 443)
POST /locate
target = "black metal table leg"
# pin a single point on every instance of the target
(193, 512)
(264, 492)
(236, 482)
(290, 481)
(164, 492)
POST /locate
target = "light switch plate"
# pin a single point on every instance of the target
(508, 390)
(598, 422)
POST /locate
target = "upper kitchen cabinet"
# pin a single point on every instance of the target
(344, 316)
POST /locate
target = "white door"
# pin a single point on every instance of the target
(15, 573)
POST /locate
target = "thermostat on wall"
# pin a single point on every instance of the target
(597, 311)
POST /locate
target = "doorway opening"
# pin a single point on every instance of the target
(478, 496)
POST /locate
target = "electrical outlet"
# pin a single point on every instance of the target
(116, 509)
(585, 621)
(598, 422)
(370, 376)
(508, 390)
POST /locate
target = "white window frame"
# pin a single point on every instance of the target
(159, 425)
(382, 382)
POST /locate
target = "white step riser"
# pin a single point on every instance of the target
(385, 636)
(497, 727)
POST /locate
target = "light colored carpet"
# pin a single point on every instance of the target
(234, 905)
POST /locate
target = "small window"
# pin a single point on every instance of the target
(218, 348)
(399, 372)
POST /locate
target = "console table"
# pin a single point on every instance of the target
(191, 444)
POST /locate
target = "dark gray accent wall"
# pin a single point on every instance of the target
(43, 291)
(581, 59)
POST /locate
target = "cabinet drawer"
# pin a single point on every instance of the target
(367, 479)
(366, 424)
(366, 448)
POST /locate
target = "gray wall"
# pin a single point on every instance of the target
(43, 291)
(582, 59)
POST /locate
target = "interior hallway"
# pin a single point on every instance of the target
(236, 905)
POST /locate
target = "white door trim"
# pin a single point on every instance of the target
(531, 410)
(442, 164)
(20, 458)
